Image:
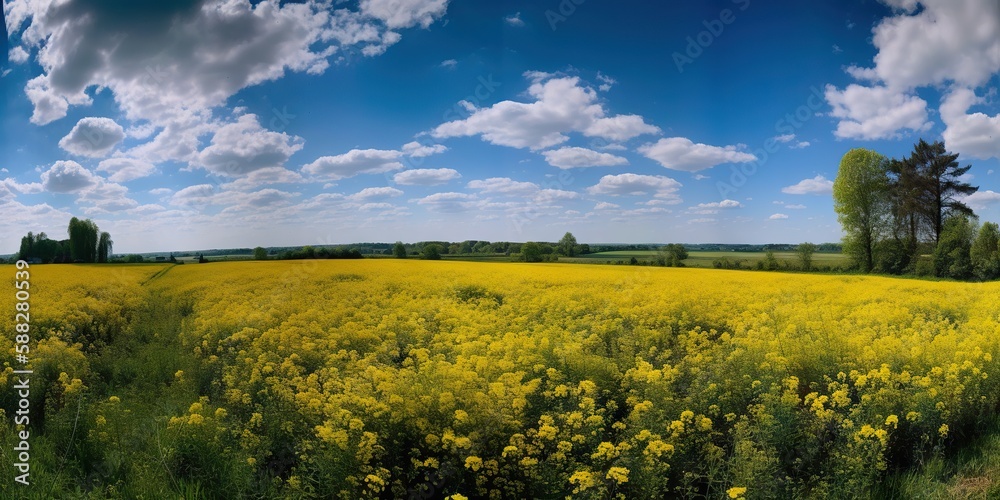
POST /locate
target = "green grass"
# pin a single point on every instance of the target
(972, 472)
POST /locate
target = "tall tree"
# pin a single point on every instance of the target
(952, 255)
(567, 245)
(399, 250)
(805, 252)
(860, 198)
(907, 198)
(104, 245)
(940, 176)
(985, 252)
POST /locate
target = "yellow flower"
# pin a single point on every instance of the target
(736, 492)
(618, 474)
(474, 463)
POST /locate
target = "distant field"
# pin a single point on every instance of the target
(704, 258)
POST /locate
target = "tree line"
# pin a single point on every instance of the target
(907, 215)
(86, 243)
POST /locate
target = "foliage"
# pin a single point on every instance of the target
(399, 250)
(567, 245)
(671, 255)
(431, 251)
(860, 197)
(952, 256)
(985, 252)
(805, 252)
(259, 253)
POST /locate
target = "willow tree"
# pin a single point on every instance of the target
(861, 199)
(104, 244)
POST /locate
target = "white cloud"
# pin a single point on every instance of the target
(981, 199)
(244, 146)
(795, 207)
(816, 185)
(679, 153)
(355, 162)
(636, 185)
(268, 176)
(27, 188)
(870, 113)
(405, 13)
(944, 41)
(375, 193)
(778, 217)
(126, 169)
(970, 134)
(560, 106)
(68, 177)
(606, 82)
(17, 55)
(161, 191)
(449, 63)
(448, 202)
(199, 194)
(505, 186)
(719, 204)
(784, 137)
(417, 150)
(581, 157)
(702, 220)
(800, 145)
(605, 206)
(426, 177)
(93, 137)
(514, 20)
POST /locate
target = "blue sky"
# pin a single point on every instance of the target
(210, 124)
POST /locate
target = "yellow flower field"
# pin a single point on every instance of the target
(388, 378)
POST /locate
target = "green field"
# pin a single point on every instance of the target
(705, 258)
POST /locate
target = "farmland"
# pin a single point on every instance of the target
(397, 378)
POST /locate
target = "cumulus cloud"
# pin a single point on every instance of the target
(17, 55)
(719, 204)
(561, 106)
(945, 41)
(417, 150)
(875, 112)
(168, 75)
(604, 205)
(426, 177)
(581, 157)
(68, 177)
(448, 202)
(925, 43)
(778, 217)
(980, 200)
(816, 185)
(199, 194)
(126, 169)
(636, 185)
(679, 153)
(375, 194)
(970, 134)
(355, 162)
(264, 177)
(505, 186)
(405, 13)
(93, 137)
(244, 146)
